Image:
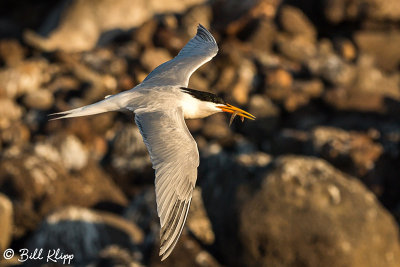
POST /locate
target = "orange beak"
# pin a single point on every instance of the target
(240, 112)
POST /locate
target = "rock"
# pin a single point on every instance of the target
(109, 15)
(73, 154)
(226, 79)
(296, 48)
(257, 159)
(338, 11)
(143, 211)
(329, 66)
(198, 81)
(221, 173)
(238, 14)
(301, 94)
(246, 75)
(293, 94)
(262, 107)
(197, 221)
(290, 141)
(145, 33)
(187, 252)
(105, 61)
(343, 99)
(6, 221)
(267, 116)
(129, 159)
(40, 99)
(283, 213)
(84, 233)
(349, 151)
(295, 22)
(63, 83)
(11, 52)
(114, 255)
(65, 149)
(370, 78)
(384, 10)
(14, 137)
(153, 57)
(279, 78)
(381, 45)
(25, 77)
(9, 112)
(198, 14)
(306, 212)
(346, 49)
(37, 184)
(216, 127)
(102, 84)
(170, 21)
(260, 34)
(363, 95)
(311, 88)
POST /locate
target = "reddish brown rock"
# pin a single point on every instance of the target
(351, 151)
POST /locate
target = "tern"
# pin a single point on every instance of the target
(161, 103)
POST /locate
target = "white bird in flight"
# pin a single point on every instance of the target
(161, 103)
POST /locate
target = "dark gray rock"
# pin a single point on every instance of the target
(220, 176)
(83, 233)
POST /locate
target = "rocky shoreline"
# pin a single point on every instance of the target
(313, 181)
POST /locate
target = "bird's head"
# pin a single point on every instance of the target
(217, 104)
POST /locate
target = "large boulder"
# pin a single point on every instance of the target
(296, 211)
(306, 213)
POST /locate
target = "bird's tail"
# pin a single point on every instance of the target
(110, 103)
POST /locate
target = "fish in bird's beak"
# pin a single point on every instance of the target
(236, 111)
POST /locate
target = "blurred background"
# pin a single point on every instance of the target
(314, 181)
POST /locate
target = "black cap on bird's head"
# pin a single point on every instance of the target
(203, 96)
(225, 107)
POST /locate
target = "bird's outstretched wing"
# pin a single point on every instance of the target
(199, 50)
(175, 158)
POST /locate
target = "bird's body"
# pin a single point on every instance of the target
(161, 104)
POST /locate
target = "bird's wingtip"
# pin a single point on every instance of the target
(163, 256)
(205, 34)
